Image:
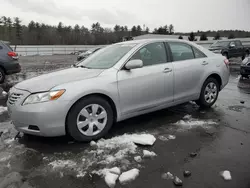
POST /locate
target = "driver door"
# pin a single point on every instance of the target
(144, 88)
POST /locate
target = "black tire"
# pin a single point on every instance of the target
(201, 101)
(247, 54)
(71, 123)
(2, 75)
(243, 57)
(226, 55)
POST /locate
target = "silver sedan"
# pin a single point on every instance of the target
(118, 82)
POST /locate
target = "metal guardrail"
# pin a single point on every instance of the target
(29, 50)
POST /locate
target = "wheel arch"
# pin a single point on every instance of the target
(215, 76)
(102, 95)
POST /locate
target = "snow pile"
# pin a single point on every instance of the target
(138, 159)
(147, 154)
(124, 145)
(226, 175)
(144, 139)
(190, 122)
(3, 109)
(81, 174)
(58, 164)
(110, 179)
(129, 176)
(92, 143)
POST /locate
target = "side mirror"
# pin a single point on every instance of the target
(134, 64)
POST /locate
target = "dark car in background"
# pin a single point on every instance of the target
(230, 48)
(245, 68)
(8, 61)
(87, 53)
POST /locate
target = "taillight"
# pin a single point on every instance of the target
(14, 55)
(226, 61)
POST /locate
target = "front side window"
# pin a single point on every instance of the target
(181, 51)
(107, 57)
(151, 54)
(232, 44)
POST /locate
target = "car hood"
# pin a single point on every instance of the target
(48, 81)
(215, 48)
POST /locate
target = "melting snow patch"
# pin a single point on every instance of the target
(110, 179)
(190, 122)
(167, 176)
(3, 109)
(115, 170)
(4, 93)
(129, 176)
(9, 140)
(138, 159)
(226, 175)
(62, 164)
(81, 174)
(147, 153)
(92, 143)
(171, 137)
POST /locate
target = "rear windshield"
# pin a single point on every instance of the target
(5, 45)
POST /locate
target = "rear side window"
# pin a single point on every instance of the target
(1, 47)
(238, 43)
(181, 51)
(198, 53)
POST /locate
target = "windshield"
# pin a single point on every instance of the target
(106, 57)
(220, 43)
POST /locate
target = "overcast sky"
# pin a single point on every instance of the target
(185, 15)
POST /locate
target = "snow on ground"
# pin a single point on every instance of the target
(226, 175)
(103, 155)
(59, 164)
(129, 176)
(147, 153)
(188, 123)
(3, 109)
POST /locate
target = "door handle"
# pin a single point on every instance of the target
(166, 70)
(204, 63)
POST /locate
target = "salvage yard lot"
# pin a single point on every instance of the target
(204, 142)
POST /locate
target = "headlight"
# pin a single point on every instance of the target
(43, 97)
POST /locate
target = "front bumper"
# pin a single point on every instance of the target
(48, 117)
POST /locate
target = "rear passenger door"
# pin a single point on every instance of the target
(189, 66)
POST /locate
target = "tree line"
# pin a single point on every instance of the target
(35, 33)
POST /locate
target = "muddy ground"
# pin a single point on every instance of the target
(220, 137)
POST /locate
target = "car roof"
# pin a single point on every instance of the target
(144, 41)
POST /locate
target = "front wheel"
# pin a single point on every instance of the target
(209, 93)
(90, 119)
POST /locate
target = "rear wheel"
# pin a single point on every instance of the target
(247, 53)
(209, 93)
(2, 76)
(90, 119)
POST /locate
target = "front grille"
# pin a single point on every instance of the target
(14, 97)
